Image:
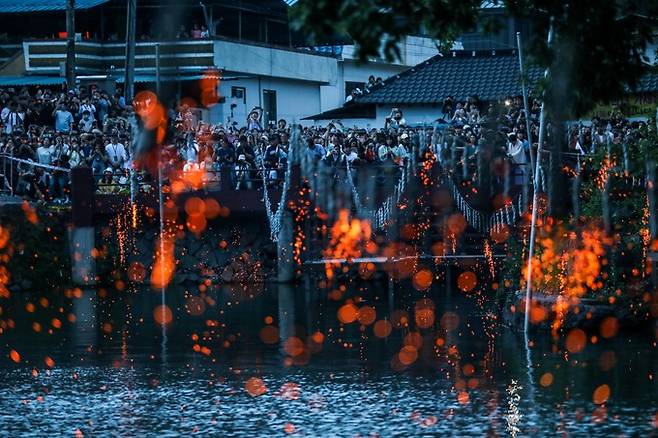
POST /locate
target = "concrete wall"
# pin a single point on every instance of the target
(413, 50)
(412, 113)
(295, 99)
(305, 84)
(275, 62)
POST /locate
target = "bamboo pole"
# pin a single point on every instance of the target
(535, 200)
(524, 89)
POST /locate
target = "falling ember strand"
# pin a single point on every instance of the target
(488, 254)
(134, 216)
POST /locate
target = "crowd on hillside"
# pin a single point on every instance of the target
(60, 129)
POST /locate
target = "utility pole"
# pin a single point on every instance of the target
(131, 30)
(70, 44)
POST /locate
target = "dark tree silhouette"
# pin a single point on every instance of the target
(597, 53)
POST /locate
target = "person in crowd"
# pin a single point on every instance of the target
(196, 32)
(116, 153)
(394, 120)
(63, 118)
(87, 123)
(315, 150)
(12, 118)
(335, 157)
(182, 33)
(254, 120)
(225, 154)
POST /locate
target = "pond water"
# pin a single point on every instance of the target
(97, 363)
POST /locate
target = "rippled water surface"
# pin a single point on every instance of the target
(114, 372)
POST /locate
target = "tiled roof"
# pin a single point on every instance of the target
(648, 83)
(490, 75)
(21, 6)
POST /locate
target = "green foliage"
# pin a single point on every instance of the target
(597, 52)
(369, 22)
(596, 55)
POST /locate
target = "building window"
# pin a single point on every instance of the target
(269, 106)
(239, 93)
(351, 86)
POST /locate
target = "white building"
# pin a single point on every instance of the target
(252, 45)
(294, 84)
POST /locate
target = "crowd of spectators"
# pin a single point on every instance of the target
(59, 129)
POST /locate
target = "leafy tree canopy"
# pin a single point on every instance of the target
(596, 55)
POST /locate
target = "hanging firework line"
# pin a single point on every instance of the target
(380, 217)
(506, 215)
(274, 218)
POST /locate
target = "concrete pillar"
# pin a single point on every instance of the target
(284, 249)
(285, 261)
(85, 329)
(286, 299)
(83, 265)
(82, 232)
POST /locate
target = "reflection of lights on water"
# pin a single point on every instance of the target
(513, 416)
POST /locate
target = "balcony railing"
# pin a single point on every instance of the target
(45, 57)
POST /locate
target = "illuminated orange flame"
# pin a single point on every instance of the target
(348, 240)
(164, 265)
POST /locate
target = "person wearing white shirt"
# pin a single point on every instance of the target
(44, 154)
(190, 151)
(89, 107)
(11, 118)
(401, 152)
(116, 153)
(516, 151)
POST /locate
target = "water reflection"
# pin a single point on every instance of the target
(114, 373)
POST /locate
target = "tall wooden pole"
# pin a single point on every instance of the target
(70, 44)
(535, 201)
(131, 30)
(524, 88)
